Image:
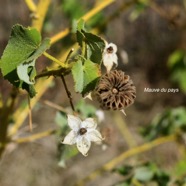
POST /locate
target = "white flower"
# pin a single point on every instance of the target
(109, 56)
(82, 133)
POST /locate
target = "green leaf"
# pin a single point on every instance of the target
(77, 72)
(85, 74)
(94, 45)
(24, 47)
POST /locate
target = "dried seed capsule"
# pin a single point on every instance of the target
(115, 90)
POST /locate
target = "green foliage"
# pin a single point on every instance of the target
(85, 75)
(23, 48)
(168, 122)
(177, 65)
(146, 173)
(91, 44)
(86, 70)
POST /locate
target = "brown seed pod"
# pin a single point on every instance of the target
(115, 90)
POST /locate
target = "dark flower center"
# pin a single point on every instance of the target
(110, 49)
(82, 131)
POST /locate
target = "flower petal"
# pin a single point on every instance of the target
(70, 138)
(83, 146)
(74, 122)
(95, 136)
(89, 123)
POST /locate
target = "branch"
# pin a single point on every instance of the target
(4, 119)
(131, 152)
(55, 60)
(68, 92)
(35, 136)
(31, 5)
(86, 17)
(41, 10)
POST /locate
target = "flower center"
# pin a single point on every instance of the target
(110, 49)
(114, 91)
(82, 131)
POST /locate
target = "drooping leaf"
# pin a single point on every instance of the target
(24, 47)
(85, 74)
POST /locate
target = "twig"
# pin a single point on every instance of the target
(55, 106)
(121, 124)
(35, 136)
(62, 64)
(41, 10)
(30, 114)
(68, 92)
(31, 5)
(86, 17)
(131, 152)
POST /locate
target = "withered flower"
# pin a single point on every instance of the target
(115, 90)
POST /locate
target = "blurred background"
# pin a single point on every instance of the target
(151, 40)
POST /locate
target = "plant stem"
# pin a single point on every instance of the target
(55, 106)
(55, 60)
(31, 5)
(86, 17)
(122, 126)
(68, 92)
(30, 114)
(131, 152)
(35, 136)
(41, 10)
(4, 119)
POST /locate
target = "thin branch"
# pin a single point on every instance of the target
(86, 17)
(30, 114)
(41, 10)
(35, 136)
(122, 126)
(31, 5)
(55, 106)
(68, 92)
(62, 64)
(129, 153)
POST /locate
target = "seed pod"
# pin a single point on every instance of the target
(115, 90)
